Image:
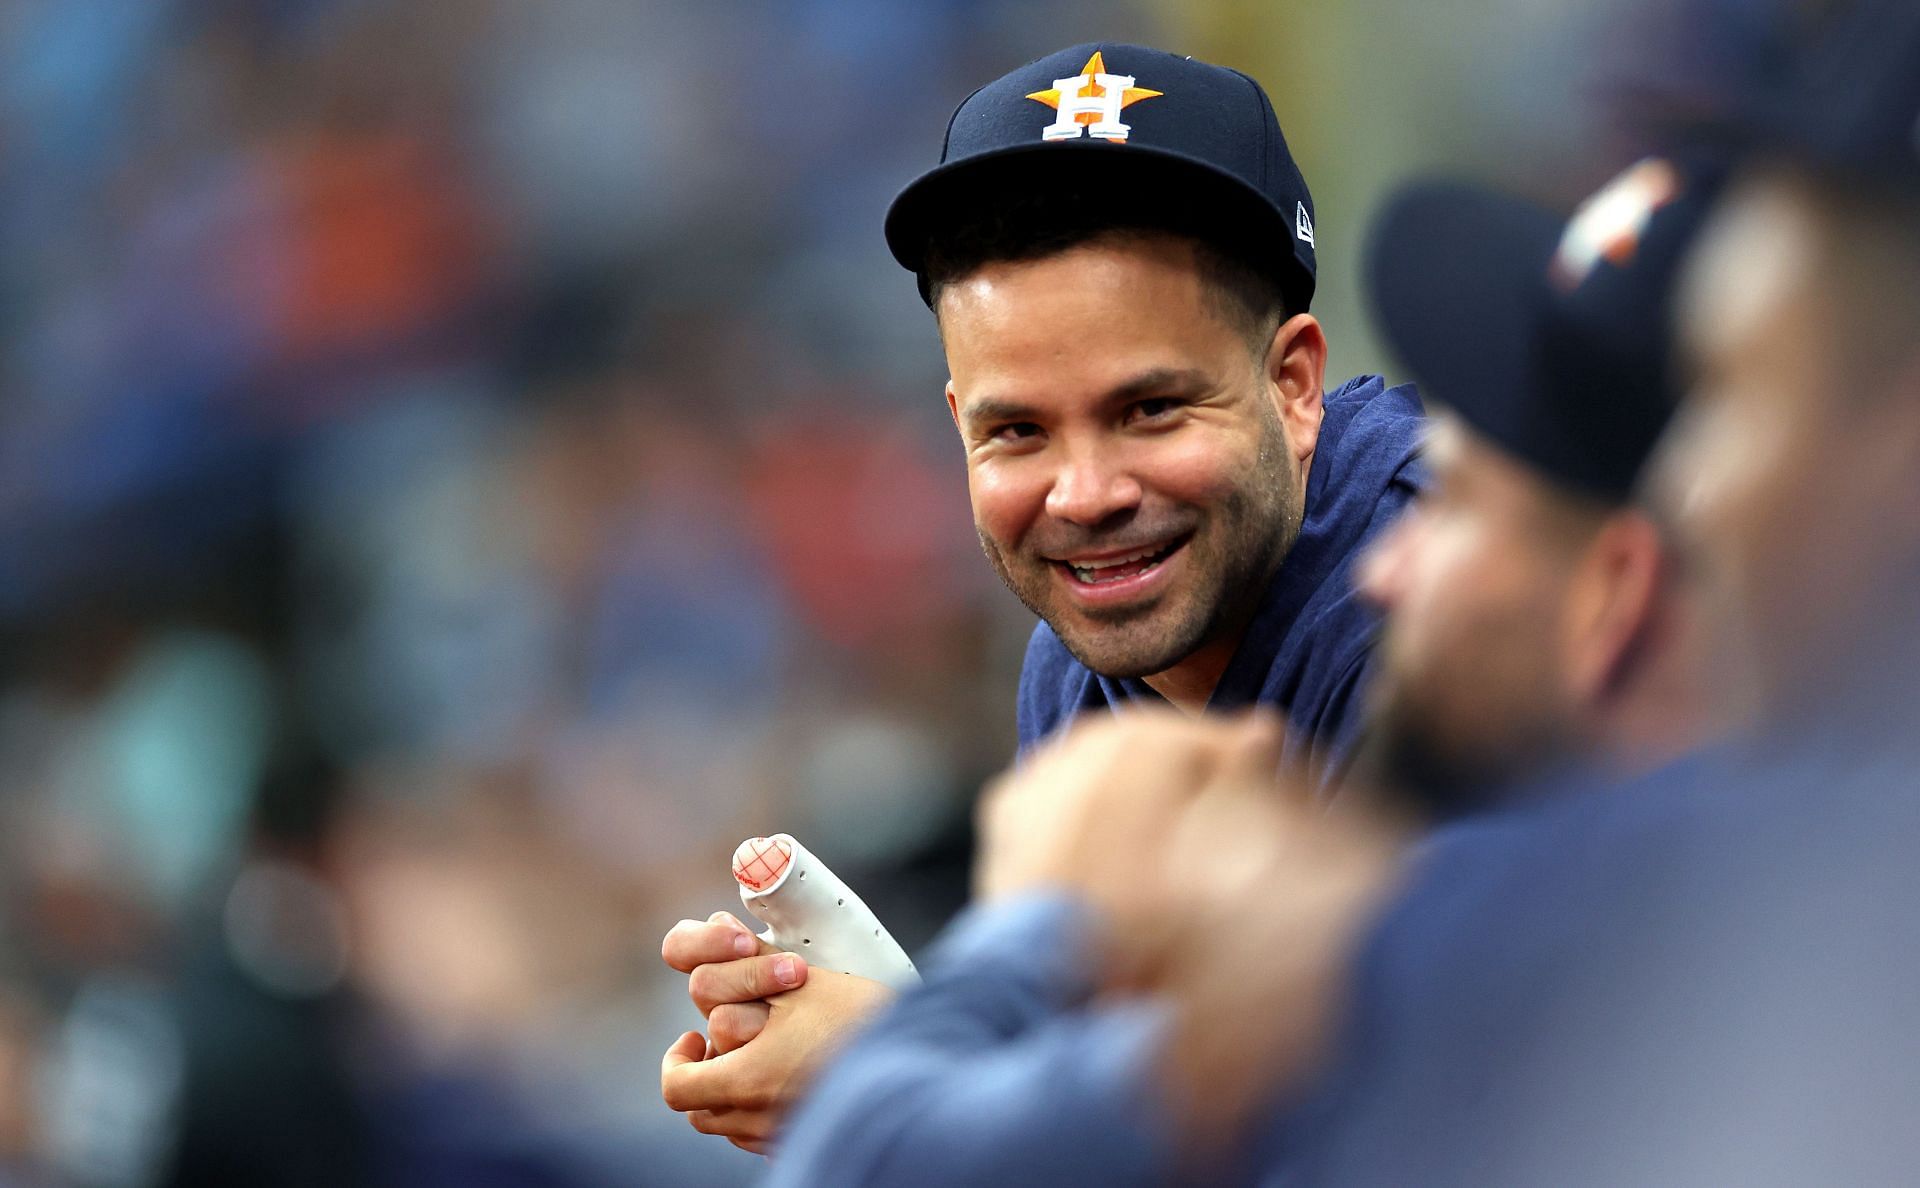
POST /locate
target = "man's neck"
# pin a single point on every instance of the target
(1189, 684)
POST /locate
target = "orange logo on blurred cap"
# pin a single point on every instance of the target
(1609, 225)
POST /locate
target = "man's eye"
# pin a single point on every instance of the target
(1017, 431)
(1151, 410)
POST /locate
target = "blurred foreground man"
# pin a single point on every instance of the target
(1119, 251)
(1523, 603)
(1708, 978)
(1531, 618)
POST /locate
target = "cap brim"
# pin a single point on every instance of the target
(1185, 184)
(1458, 279)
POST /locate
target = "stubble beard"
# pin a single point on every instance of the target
(1400, 754)
(1413, 750)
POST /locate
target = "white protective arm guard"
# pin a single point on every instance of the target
(809, 911)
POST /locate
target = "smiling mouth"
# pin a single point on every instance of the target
(1118, 569)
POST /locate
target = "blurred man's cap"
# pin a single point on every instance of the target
(1547, 336)
(1853, 102)
(1134, 122)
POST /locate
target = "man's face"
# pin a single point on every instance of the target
(1467, 687)
(1789, 496)
(1132, 480)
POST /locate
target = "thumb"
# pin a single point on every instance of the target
(730, 921)
(688, 1049)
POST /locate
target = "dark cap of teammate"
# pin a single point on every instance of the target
(1139, 123)
(1547, 336)
(1853, 101)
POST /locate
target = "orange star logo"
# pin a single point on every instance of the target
(1092, 103)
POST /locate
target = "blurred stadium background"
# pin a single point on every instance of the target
(464, 465)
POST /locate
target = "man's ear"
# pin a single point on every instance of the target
(1296, 369)
(1613, 606)
(953, 406)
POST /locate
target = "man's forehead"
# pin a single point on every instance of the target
(1454, 454)
(1473, 465)
(1753, 261)
(1444, 441)
(1096, 320)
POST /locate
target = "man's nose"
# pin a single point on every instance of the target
(1090, 487)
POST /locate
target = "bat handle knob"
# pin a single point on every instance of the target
(760, 861)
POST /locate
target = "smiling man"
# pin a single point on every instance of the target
(1137, 491)
(1119, 251)
(1155, 466)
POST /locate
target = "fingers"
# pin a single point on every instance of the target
(733, 1024)
(690, 1048)
(745, 979)
(749, 1129)
(1249, 753)
(685, 1080)
(1170, 756)
(721, 937)
(1101, 797)
(719, 1084)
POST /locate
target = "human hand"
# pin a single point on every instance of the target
(1275, 893)
(730, 972)
(1091, 811)
(1217, 884)
(745, 1092)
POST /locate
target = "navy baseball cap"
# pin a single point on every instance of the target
(1853, 100)
(1549, 337)
(1196, 140)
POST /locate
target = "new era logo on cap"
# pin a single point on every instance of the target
(1302, 223)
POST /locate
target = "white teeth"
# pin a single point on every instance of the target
(1110, 562)
(1089, 572)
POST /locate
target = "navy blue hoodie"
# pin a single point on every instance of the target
(1306, 650)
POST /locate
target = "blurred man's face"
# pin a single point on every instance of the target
(1472, 581)
(1788, 494)
(1133, 480)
